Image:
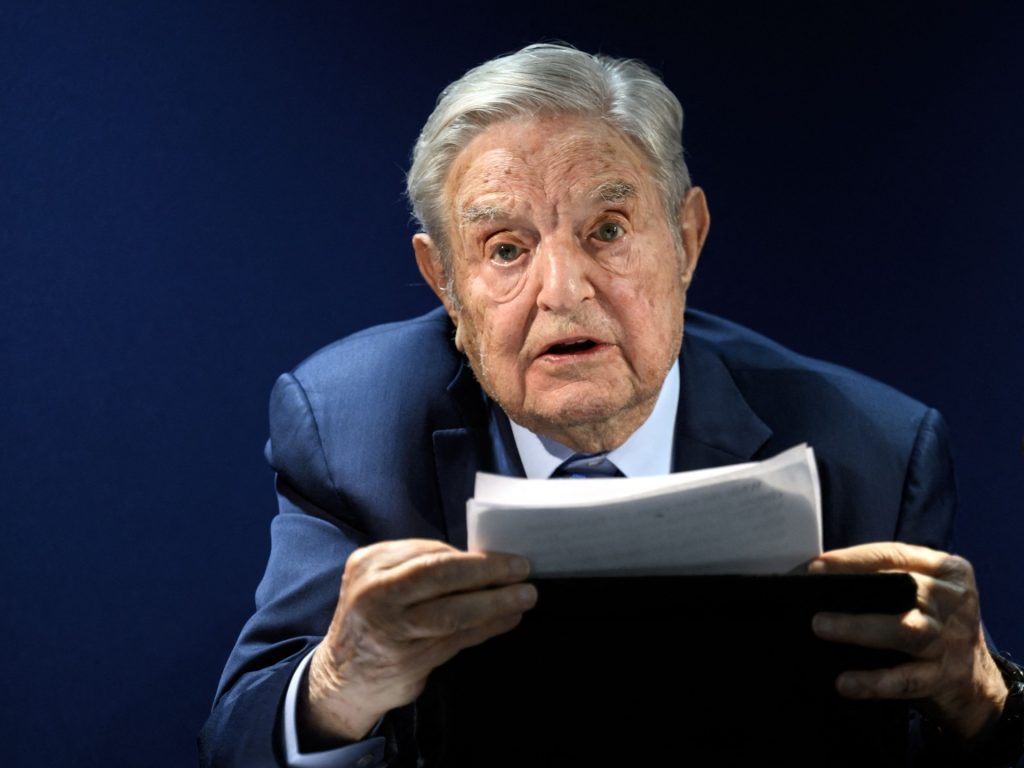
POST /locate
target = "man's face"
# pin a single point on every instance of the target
(570, 286)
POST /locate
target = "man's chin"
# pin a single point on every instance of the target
(584, 423)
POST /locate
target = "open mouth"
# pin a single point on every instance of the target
(574, 347)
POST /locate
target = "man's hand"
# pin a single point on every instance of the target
(952, 673)
(405, 607)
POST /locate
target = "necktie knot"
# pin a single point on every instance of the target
(586, 465)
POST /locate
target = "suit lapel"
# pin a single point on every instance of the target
(456, 459)
(460, 452)
(715, 425)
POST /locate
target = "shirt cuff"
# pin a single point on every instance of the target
(362, 754)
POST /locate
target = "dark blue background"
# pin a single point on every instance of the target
(194, 196)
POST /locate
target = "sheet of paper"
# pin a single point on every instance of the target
(762, 517)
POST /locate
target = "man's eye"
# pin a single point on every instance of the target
(608, 231)
(506, 253)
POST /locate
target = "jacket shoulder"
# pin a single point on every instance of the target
(355, 412)
(760, 365)
(394, 352)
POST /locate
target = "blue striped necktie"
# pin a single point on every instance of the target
(585, 465)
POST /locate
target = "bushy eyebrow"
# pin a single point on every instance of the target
(615, 191)
(474, 213)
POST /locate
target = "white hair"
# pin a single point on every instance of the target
(543, 80)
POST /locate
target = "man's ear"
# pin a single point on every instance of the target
(695, 221)
(428, 259)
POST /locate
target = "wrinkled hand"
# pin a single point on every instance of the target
(405, 608)
(952, 673)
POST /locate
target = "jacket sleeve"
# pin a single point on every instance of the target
(929, 500)
(311, 538)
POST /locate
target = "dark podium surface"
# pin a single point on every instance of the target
(682, 670)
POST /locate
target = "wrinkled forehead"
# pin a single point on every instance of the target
(558, 161)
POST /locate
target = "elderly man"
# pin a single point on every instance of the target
(561, 232)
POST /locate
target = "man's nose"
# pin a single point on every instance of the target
(565, 275)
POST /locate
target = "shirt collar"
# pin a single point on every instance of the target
(648, 451)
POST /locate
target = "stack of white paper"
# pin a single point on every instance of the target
(761, 517)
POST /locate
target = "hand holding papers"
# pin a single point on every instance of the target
(760, 517)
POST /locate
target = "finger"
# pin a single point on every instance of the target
(915, 680)
(882, 556)
(456, 613)
(498, 626)
(934, 597)
(944, 599)
(434, 574)
(913, 632)
(389, 554)
(426, 655)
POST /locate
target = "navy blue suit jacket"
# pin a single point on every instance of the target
(379, 436)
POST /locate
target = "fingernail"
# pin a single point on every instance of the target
(816, 566)
(526, 595)
(519, 567)
(848, 686)
(823, 625)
